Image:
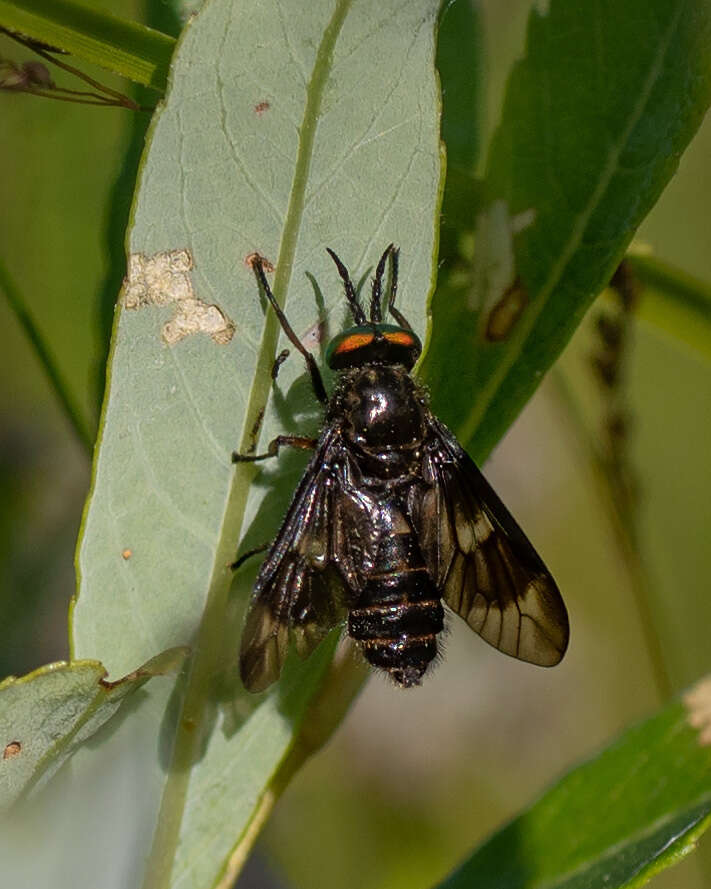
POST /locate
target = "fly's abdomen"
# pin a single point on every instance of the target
(398, 615)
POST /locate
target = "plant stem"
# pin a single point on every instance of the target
(124, 47)
(624, 521)
(104, 94)
(653, 272)
(341, 685)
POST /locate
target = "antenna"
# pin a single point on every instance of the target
(356, 308)
(375, 309)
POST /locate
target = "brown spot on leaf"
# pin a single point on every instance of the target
(12, 749)
(506, 312)
(261, 107)
(126, 554)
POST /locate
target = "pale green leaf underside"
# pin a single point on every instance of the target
(221, 180)
(46, 716)
(287, 128)
(632, 810)
(91, 825)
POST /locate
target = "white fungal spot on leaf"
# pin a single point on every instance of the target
(523, 220)
(498, 292)
(164, 278)
(698, 705)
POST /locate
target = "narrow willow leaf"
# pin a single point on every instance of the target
(616, 820)
(48, 714)
(595, 119)
(139, 53)
(460, 48)
(459, 61)
(286, 129)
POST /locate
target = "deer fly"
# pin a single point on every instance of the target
(390, 518)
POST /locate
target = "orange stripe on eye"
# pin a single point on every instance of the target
(354, 341)
(400, 338)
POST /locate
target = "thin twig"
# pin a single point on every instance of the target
(341, 685)
(52, 94)
(624, 521)
(102, 88)
(108, 96)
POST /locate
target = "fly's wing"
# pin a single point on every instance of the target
(311, 571)
(483, 564)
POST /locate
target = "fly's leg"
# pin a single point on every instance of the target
(292, 441)
(254, 434)
(240, 560)
(278, 361)
(316, 379)
(396, 313)
(375, 310)
(351, 295)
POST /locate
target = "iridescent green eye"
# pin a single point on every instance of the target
(379, 343)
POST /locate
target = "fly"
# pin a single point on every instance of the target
(391, 519)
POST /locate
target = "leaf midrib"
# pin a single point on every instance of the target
(189, 735)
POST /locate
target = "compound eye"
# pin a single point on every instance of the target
(369, 344)
(404, 338)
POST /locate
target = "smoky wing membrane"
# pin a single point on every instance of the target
(484, 566)
(311, 573)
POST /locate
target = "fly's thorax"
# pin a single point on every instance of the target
(382, 413)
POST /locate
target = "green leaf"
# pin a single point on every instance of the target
(91, 825)
(614, 821)
(595, 119)
(48, 714)
(134, 51)
(459, 62)
(286, 129)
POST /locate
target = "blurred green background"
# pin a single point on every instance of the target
(411, 780)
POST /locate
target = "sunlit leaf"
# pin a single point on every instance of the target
(287, 129)
(46, 716)
(614, 821)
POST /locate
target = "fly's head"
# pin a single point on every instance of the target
(381, 344)
(379, 406)
(371, 341)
